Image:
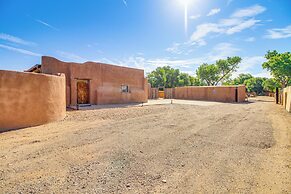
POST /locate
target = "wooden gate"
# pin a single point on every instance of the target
(161, 94)
(83, 92)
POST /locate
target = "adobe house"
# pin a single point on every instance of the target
(286, 98)
(97, 83)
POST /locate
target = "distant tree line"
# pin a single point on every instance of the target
(220, 73)
(259, 85)
(169, 77)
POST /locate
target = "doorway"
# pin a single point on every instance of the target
(161, 92)
(83, 92)
(236, 94)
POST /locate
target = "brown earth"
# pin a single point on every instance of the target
(220, 148)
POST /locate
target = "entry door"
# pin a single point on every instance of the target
(83, 91)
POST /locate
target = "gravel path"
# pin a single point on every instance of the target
(173, 148)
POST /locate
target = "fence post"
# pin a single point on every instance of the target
(277, 95)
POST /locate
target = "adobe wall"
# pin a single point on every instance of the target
(287, 101)
(153, 93)
(210, 93)
(105, 81)
(241, 93)
(169, 93)
(30, 99)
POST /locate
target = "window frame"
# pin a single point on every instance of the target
(124, 88)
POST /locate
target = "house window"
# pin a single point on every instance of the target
(124, 88)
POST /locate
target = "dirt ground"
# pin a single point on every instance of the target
(172, 148)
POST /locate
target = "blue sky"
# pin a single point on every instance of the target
(143, 33)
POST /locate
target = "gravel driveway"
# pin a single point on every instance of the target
(171, 148)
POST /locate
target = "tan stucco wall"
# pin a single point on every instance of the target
(241, 93)
(30, 99)
(105, 81)
(287, 101)
(210, 93)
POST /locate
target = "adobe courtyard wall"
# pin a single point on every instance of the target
(153, 93)
(30, 99)
(104, 81)
(287, 98)
(210, 93)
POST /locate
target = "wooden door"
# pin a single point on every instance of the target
(83, 91)
(161, 94)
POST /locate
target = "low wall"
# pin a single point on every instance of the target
(30, 99)
(153, 93)
(211, 93)
(169, 93)
(286, 98)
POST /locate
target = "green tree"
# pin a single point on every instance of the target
(164, 77)
(242, 78)
(196, 82)
(255, 84)
(270, 85)
(169, 77)
(279, 64)
(216, 73)
(208, 73)
(238, 80)
(184, 79)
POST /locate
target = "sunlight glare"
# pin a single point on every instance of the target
(186, 4)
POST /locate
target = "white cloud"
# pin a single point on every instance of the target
(249, 63)
(194, 17)
(203, 29)
(180, 48)
(278, 33)
(223, 50)
(249, 11)
(250, 39)
(263, 73)
(219, 51)
(15, 39)
(134, 61)
(242, 26)
(189, 65)
(174, 49)
(213, 11)
(71, 56)
(46, 24)
(234, 24)
(229, 22)
(174, 63)
(18, 50)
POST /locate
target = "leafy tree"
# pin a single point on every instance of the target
(169, 77)
(164, 77)
(208, 73)
(238, 80)
(279, 64)
(196, 82)
(270, 85)
(184, 79)
(242, 78)
(213, 74)
(255, 84)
